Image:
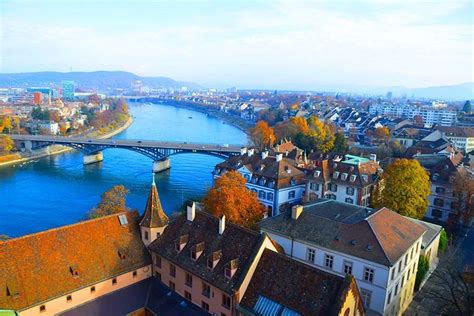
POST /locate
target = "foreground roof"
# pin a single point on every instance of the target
(290, 287)
(236, 243)
(381, 236)
(38, 267)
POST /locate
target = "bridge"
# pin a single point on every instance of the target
(157, 150)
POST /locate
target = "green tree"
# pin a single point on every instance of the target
(423, 268)
(340, 144)
(443, 241)
(406, 187)
(112, 202)
(4, 237)
(467, 108)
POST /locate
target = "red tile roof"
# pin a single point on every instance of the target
(154, 215)
(41, 266)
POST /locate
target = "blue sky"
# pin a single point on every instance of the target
(254, 44)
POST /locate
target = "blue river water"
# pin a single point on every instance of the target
(59, 190)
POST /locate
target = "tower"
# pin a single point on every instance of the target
(154, 219)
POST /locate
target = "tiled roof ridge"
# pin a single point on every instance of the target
(132, 213)
(367, 219)
(227, 222)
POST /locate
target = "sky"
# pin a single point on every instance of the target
(248, 44)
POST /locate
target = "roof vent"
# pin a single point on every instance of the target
(221, 224)
(353, 242)
(264, 154)
(191, 212)
(369, 247)
(243, 150)
(337, 238)
(279, 157)
(250, 152)
(73, 271)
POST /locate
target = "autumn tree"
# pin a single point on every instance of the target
(230, 197)
(262, 135)
(463, 193)
(405, 189)
(291, 128)
(321, 133)
(6, 144)
(112, 202)
(382, 133)
(5, 124)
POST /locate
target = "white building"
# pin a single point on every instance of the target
(380, 248)
(461, 137)
(275, 178)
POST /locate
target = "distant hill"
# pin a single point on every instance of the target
(101, 80)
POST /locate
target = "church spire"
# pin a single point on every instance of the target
(154, 216)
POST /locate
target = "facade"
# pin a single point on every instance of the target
(431, 116)
(56, 270)
(273, 176)
(409, 135)
(68, 90)
(379, 248)
(461, 137)
(345, 178)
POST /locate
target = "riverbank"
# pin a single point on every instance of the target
(59, 149)
(230, 119)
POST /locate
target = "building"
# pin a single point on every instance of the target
(345, 178)
(409, 135)
(68, 90)
(461, 137)
(59, 269)
(430, 116)
(274, 291)
(273, 176)
(380, 248)
(37, 98)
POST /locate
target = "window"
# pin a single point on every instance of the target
(270, 196)
(145, 235)
(134, 274)
(172, 286)
(187, 296)
(335, 174)
(329, 261)
(314, 186)
(393, 274)
(438, 202)
(389, 298)
(206, 289)
(261, 194)
(349, 200)
(366, 297)
(403, 281)
(369, 275)
(396, 290)
(310, 255)
(226, 301)
(93, 289)
(292, 194)
(350, 191)
(408, 274)
(69, 298)
(158, 275)
(189, 280)
(114, 281)
(331, 196)
(158, 261)
(440, 190)
(436, 213)
(42, 308)
(400, 266)
(347, 267)
(172, 270)
(205, 306)
(411, 253)
(333, 187)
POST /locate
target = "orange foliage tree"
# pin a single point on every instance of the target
(231, 198)
(382, 133)
(6, 144)
(262, 135)
(112, 202)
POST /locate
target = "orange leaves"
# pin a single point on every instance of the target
(262, 135)
(230, 197)
(6, 144)
(112, 202)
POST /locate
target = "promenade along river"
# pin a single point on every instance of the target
(59, 190)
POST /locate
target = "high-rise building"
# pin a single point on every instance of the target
(37, 98)
(67, 90)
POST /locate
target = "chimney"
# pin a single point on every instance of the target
(250, 152)
(243, 150)
(221, 224)
(264, 154)
(373, 157)
(279, 157)
(191, 212)
(296, 211)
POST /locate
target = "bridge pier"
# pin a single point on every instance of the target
(161, 165)
(93, 158)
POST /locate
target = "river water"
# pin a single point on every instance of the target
(59, 190)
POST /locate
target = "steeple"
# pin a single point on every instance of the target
(154, 220)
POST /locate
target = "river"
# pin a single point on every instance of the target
(60, 190)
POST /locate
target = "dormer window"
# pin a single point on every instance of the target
(335, 174)
(317, 173)
(181, 242)
(292, 182)
(365, 177)
(231, 268)
(353, 178)
(122, 254)
(12, 292)
(73, 271)
(214, 259)
(197, 250)
(344, 176)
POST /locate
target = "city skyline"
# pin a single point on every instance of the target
(281, 45)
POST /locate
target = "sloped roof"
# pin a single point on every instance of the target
(296, 286)
(40, 266)
(457, 131)
(380, 236)
(236, 242)
(154, 216)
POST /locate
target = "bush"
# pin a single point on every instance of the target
(443, 241)
(423, 268)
